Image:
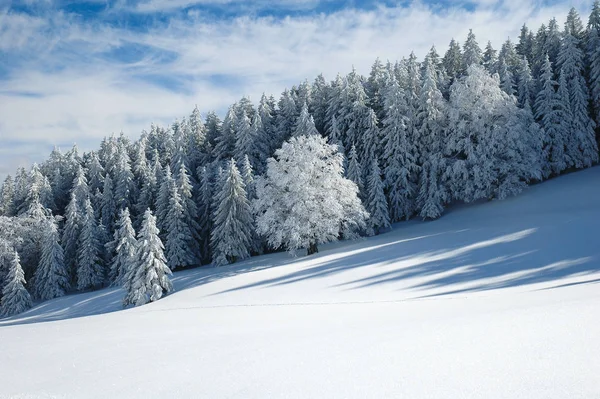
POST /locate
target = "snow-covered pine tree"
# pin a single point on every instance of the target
(123, 245)
(162, 201)
(7, 197)
(553, 116)
(399, 152)
(471, 51)
(593, 61)
(231, 237)
(376, 204)
(90, 272)
(179, 246)
(197, 145)
(204, 211)
(354, 171)
(490, 58)
(190, 210)
(70, 235)
(108, 205)
(452, 62)
(525, 85)
(304, 200)
(124, 189)
(432, 122)
(581, 146)
(15, 298)
(305, 124)
(51, 279)
(245, 137)
(149, 279)
(225, 141)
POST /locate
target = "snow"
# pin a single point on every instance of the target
(494, 300)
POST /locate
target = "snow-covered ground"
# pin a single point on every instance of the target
(494, 300)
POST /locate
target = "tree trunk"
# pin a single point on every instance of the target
(312, 249)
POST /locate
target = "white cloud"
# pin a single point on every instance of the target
(83, 95)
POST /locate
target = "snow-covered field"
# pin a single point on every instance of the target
(494, 300)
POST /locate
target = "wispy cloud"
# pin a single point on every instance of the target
(69, 77)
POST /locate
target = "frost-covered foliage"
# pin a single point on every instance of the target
(489, 140)
(304, 200)
(149, 279)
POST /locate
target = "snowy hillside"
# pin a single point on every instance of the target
(493, 300)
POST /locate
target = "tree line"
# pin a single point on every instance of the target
(327, 160)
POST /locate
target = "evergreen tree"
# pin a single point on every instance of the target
(51, 278)
(400, 154)
(525, 46)
(490, 59)
(453, 62)
(123, 179)
(593, 61)
(432, 122)
(355, 171)
(581, 147)
(525, 85)
(376, 203)
(70, 237)
(90, 273)
(162, 201)
(108, 204)
(15, 298)
(124, 246)
(471, 51)
(225, 141)
(179, 245)
(231, 237)
(7, 198)
(204, 212)
(149, 279)
(305, 125)
(552, 114)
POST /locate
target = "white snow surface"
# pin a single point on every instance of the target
(494, 300)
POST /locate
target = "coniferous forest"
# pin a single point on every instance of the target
(327, 160)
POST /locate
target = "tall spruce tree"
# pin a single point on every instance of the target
(90, 272)
(231, 237)
(149, 280)
(376, 204)
(51, 279)
(124, 247)
(15, 298)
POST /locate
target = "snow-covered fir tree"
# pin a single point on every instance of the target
(553, 116)
(376, 204)
(179, 249)
(7, 197)
(231, 237)
(124, 246)
(51, 278)
(90, 272)
(15, 298)
(581, 146)
(304, 200)
(354, 171)
(148, 280)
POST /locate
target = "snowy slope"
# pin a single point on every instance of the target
(494, 300)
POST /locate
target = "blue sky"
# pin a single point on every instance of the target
(75, 71)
